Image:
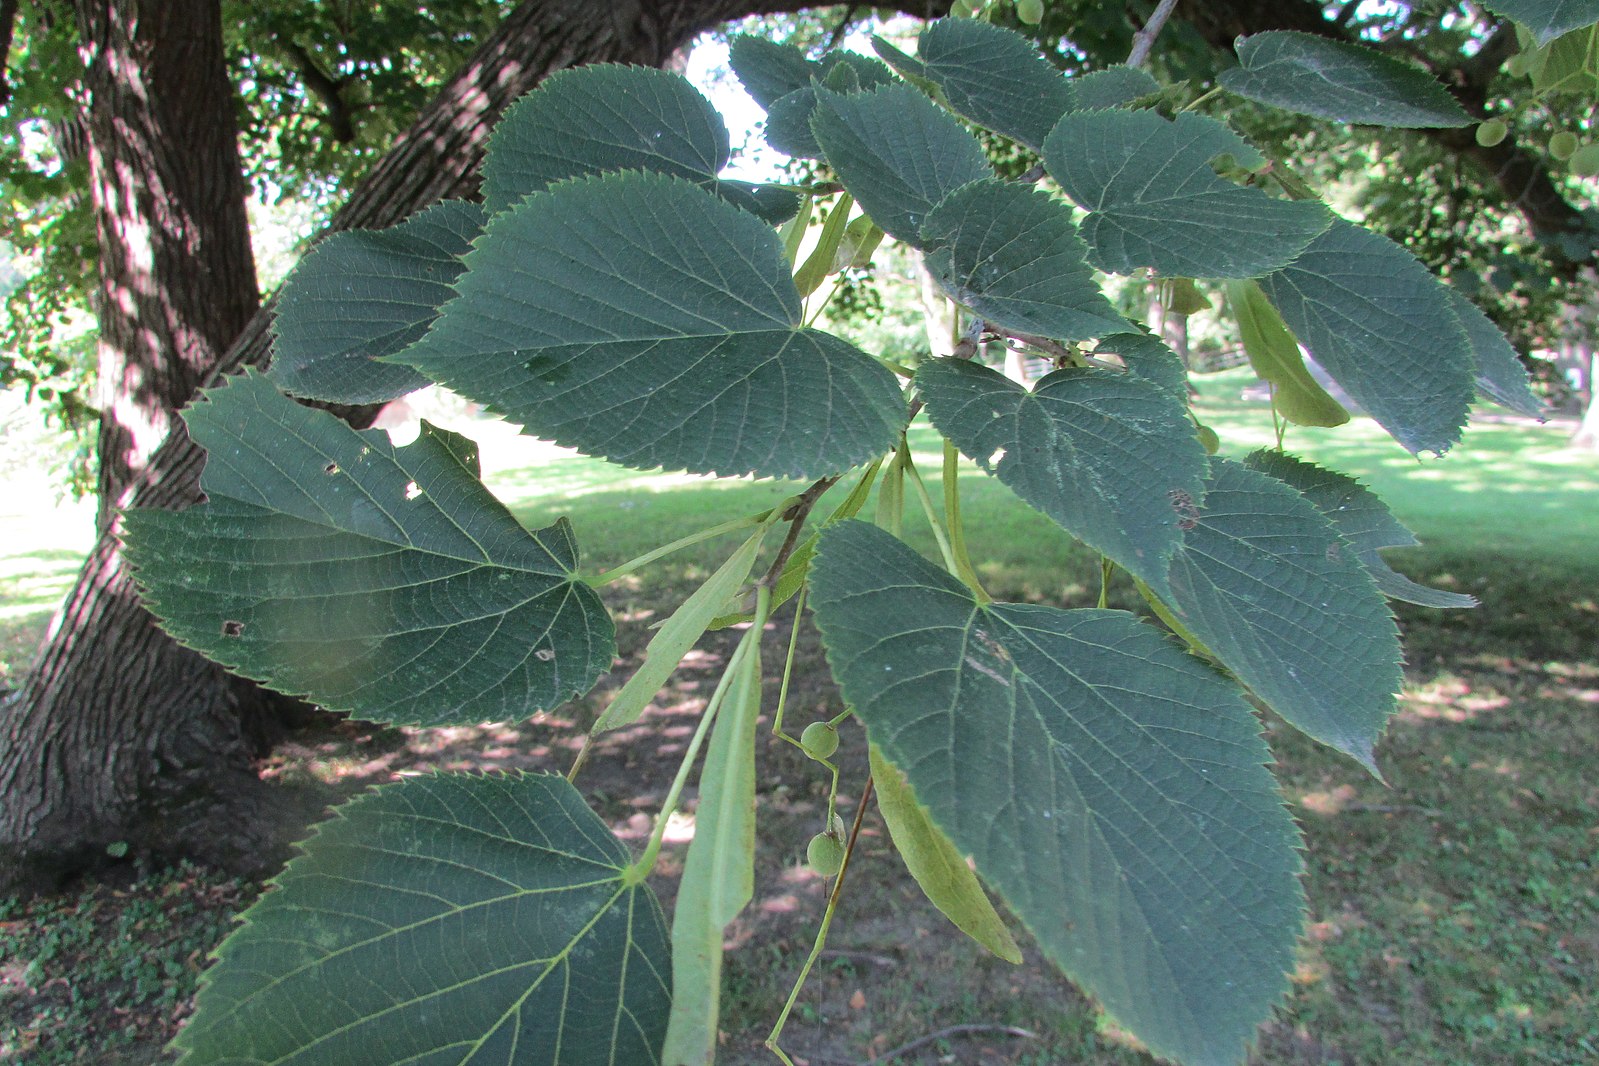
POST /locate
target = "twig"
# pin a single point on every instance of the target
(1144, 39)
(954, 1030)
(843, 27)
(795, 517)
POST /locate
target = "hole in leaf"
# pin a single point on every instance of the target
(231, 628)
(544, 655)
(331, 468)
(412, 491)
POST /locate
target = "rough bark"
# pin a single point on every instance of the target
(120, 734)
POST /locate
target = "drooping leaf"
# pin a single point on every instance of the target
(1274, 355)
(362, 294)
(1362, 520)
(1501, 377)
(445, 919)
(1011, 253)
(993, 76)
(1102, 453)
(638, 318)
(1385, 329)
(677, 635)
(719, 870)
(1148, 357)
(1110, 787)
(932, 860)
(1547, 19)
(1155, 202)
(603, 117)
(897, 153)
(1336, 80)
(1266, 583)
(378, 580)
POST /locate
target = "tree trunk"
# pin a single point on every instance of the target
(119, 733)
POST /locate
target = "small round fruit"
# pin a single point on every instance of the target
(1492, 132)
(1209, 440)
(1563, 144)
(825, 854)
(820, 740)
(1585, 161)
(1030, 11)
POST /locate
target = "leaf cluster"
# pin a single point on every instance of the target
(616, 293)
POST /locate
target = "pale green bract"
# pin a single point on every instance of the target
(445, 919)
(638, 318)
(1344, 82)
(384, 581)
(1110, 787)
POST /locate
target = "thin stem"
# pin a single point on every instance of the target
(1144, 39)
(951, 562)
(631, 565)
(1193, 105)
(1106, 569)
(788, 668)
(821, 932)
(794, 513)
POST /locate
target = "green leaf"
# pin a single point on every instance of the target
(638, 318)
(678, 634)
(1385, 329)
(993, 76)
(1274, 354)
(1501, 377)
(450, 918)
(1156, 203)
(1362, 520)
(788, 119)
(1547, 19)
(897, 153)
(1011, 253)
(604, 117)
(1110, 787)
(362, 294)
(1265, 582)
(1102, 453)
(1148, 357)
(1118, 86)
(932, 860)
(768, 70)
(382, 581)
(1344, 82)
(718, 872)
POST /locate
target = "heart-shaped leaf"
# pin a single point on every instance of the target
(1110, 787)
(897, 153)
(1155, 202)
(363, 294)
(1272, 590)
(603, 117)
(1011, 253)
(450, 918)
(1362, 520)
(382, 581)
(638, 318)
(1344, 82)
(1385, 329)
(1101, 452)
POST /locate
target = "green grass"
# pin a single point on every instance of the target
(1454, 912)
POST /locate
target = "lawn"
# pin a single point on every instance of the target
(1454, 914)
